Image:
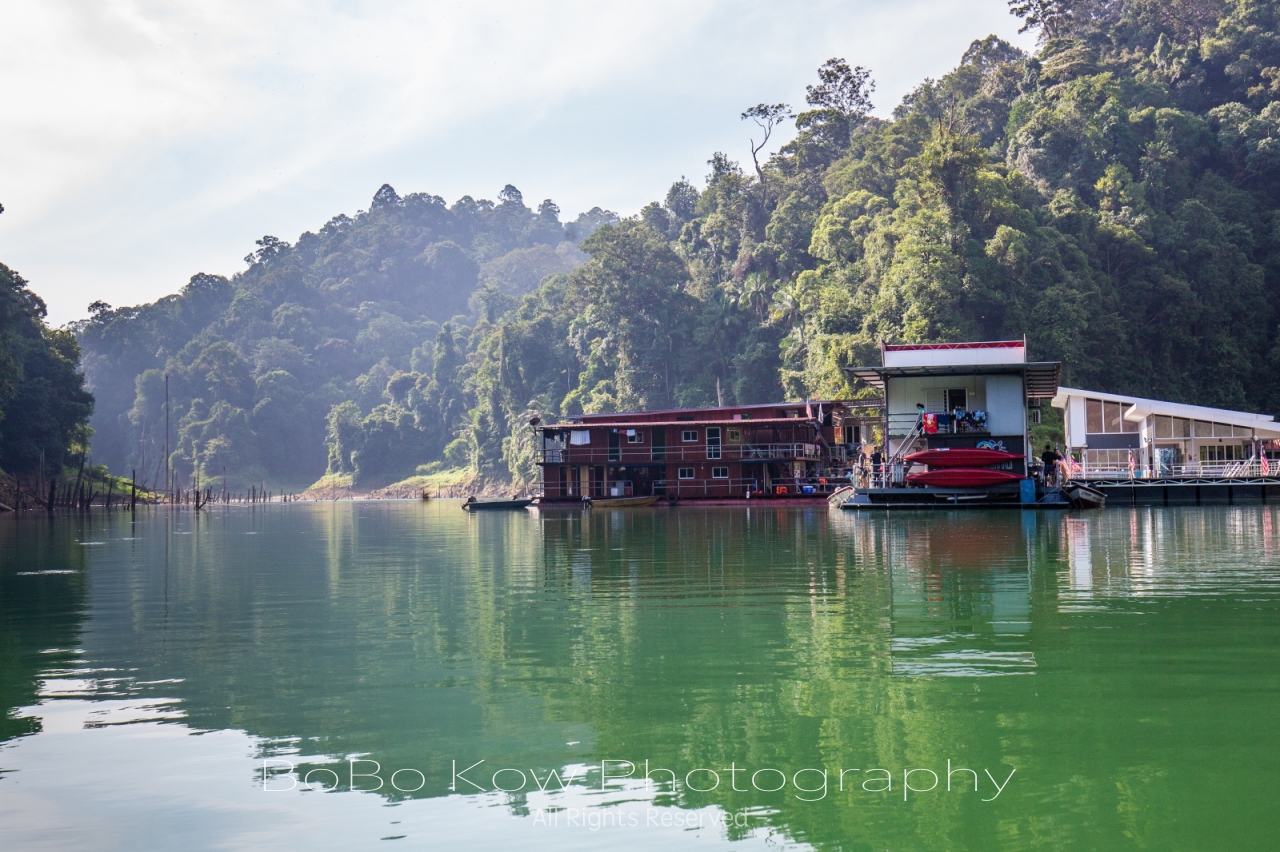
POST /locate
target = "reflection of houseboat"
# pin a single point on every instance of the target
(781, 451)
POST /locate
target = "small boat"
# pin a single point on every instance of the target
(961, 457)
(619, 502)
(964, 477)
(474, 505)
(1084, 497)
(840, 495)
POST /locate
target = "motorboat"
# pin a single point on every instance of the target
(618, 502)
(474, 505)
(1084, 497)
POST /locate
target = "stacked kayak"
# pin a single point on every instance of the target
(963, 467)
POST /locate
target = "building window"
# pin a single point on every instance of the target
(941, 400)
(1093, 417)
(1112, 457)
(1106, 418)
(719, 473)
(688, 435)
(1111, 416)
(635, 436)
(1172, 427)
(713, 442)
(1222, 453)
(735, 436)
(685, 473)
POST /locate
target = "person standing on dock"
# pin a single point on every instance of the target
(1050, 458)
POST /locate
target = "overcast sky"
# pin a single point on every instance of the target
(143, 142)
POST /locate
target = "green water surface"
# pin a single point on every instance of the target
(172, 681)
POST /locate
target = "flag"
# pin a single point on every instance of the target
(1266, 465)
(808, 409)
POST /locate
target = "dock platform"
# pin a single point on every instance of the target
(1188, 491)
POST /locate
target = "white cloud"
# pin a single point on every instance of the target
(145, 141)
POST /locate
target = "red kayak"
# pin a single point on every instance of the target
(961, 457)
(964, 477)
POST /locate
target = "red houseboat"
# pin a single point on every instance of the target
(778, 451)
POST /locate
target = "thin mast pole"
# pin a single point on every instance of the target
(166, 433)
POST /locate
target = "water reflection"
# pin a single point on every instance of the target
(1152, 552)
(415, 635)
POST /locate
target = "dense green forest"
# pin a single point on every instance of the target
(44, 407)
(1115, 197)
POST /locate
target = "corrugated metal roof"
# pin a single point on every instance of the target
(636, 424)
(1139, 407)
(1041, 377)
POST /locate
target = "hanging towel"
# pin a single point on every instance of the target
(931, 424)
(580, 436)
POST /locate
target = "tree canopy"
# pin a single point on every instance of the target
(44, 408)
(1115, 197)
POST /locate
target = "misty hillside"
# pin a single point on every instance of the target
(1114, 196)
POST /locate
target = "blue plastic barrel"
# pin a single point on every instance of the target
(1028, 492)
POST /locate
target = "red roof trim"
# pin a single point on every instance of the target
(993, 344)
(755, 406)
(687, 424)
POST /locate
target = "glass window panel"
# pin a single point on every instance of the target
(1111, 414)
(1163, 426)
(1221, 430)
(1181, 427)
(1203, 429)
(1242, 432)
(1129, 425)
(1093, 416)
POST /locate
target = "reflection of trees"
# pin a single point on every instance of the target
(38, 613)
(417, 634)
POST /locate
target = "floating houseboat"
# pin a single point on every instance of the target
(955, 425)
(1149, 452)
(955, 430)
(951, 427)
(792, 452)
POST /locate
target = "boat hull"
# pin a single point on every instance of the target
(494, 505)
(620, 502)
(964, 477)
(1084, 497)
(968, 457)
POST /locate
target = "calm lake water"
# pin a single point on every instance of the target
(309, 676)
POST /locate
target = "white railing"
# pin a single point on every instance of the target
(1245, 469)
(776, 451)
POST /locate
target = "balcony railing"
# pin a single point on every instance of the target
(1244, 469)
(629, 453)
(693, 488)
(900, 425)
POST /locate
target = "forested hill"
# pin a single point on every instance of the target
(1114, 197)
